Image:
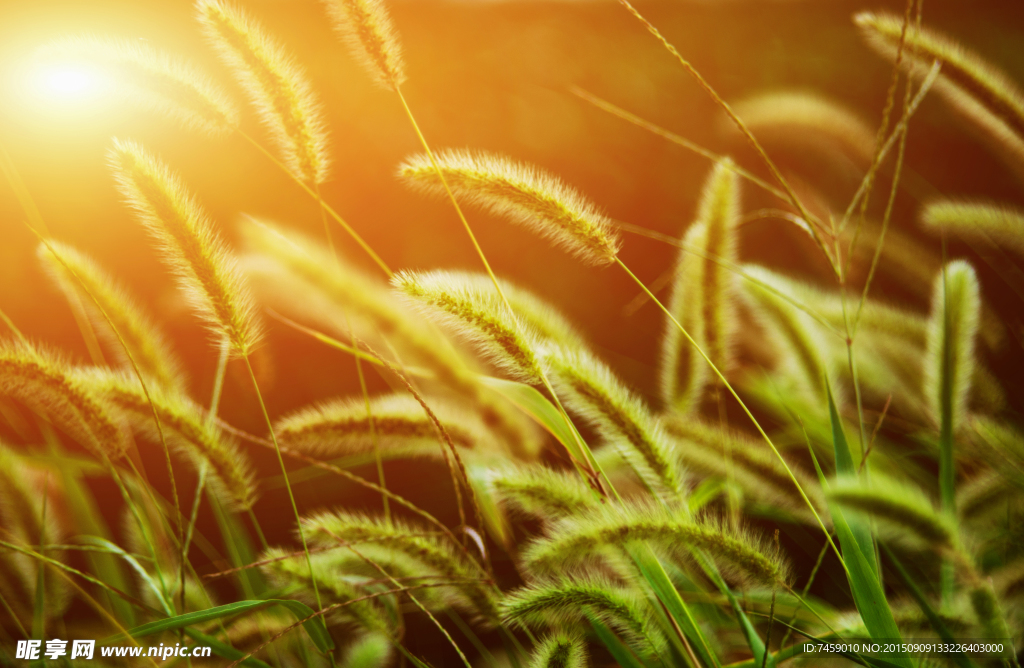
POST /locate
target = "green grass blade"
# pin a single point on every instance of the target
(858, 553)
(933, 618)
(316, 630)
(845, 468)
(239, 548)
(534, 404)
(622, 655)
(224, 650)
(655, 575)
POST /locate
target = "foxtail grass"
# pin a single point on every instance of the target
(571, 541)
(703, 294)
(204, 268)
(275, 84)
(804, 116)
(154, 79)
(905, 510)
(560, 650)
(590, 389)
(44, 381)
(78, 276)
(344, 427)
(522, 194)
(191, 431)
(1000, 223)
(459, 306)
(367, 30)
(541, 492)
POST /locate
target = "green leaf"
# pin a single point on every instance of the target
(862, 572)
(314, 627)
(933, 618)
(655, 575)
(845, 469)
(536, 405)
(622, 655)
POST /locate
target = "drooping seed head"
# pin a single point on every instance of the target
(44, 382)
(977, 220)
(480, 318)
(205, 270)
(366, 29)
(82, 281)
(277, 87)
(524, 195)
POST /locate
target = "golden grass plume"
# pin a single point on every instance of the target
(523, 194)
(145, 341)
(952, 329)
(205, 269)
(367, 30)
(45, 382)
(1002, 224)
(276, 85)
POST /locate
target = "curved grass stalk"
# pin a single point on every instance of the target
(790, 194)
(743, 406)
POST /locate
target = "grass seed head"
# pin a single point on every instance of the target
(366, 29)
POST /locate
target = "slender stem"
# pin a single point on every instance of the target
(790, 194)
(584, 448)
(732, 391)
(284, 474)
(331, 212)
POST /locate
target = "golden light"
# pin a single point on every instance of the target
(68, 82)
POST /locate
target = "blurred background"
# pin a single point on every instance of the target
(487, 75)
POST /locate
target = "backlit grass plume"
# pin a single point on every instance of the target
(1003, 225)
(801, 116)
(565, 602)
(145, 341)
(542, 492)
(44, 382)
(373, 650)
(905, 510)
(703, 294)
(190, 433)
(576, 540)
(961, 66)
(524, 195)
(342, 427)
(204, 268)
(590, 389)
(276, 86)
(291, 574)
(795, 333)
(560, 650)
(366, 29)
(952, 328)
(459, 305)
(434, 554)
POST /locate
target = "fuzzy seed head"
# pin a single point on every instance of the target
(276, 85)
(523, 194)
(703, 294)
(45, 383)
(366, 28)
(1000, 223)
(480, 318)
(154, 79)
(396, 423)
(952, 329)
(561, 650)
(205, 270)
(590, 389)
(82, 281)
